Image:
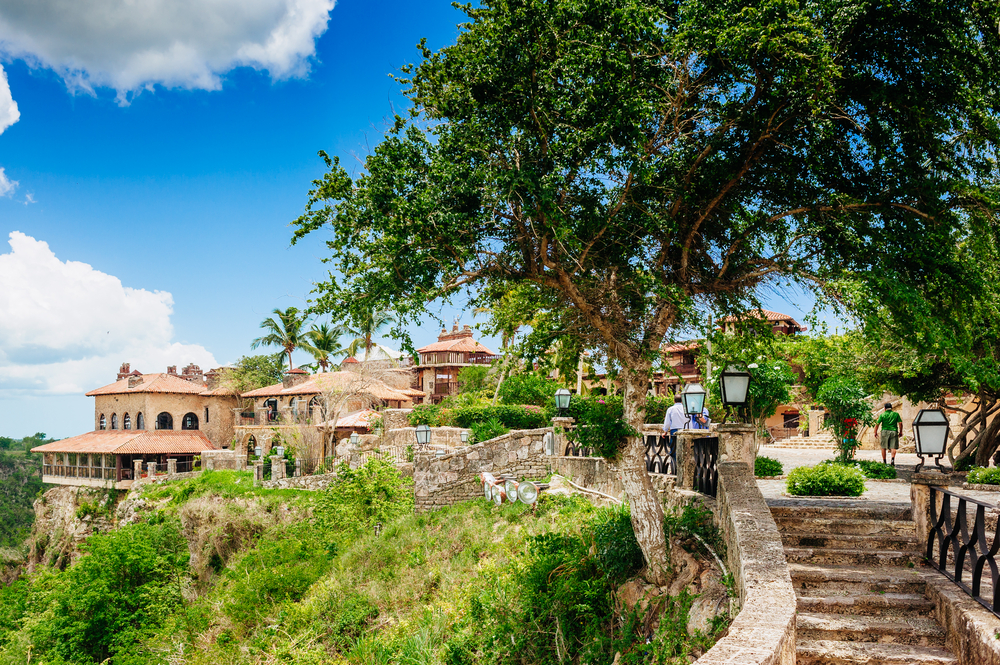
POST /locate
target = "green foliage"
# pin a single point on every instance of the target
(359, 499)
(528, 388)
(20, 485)
(825, 356)
(694, 519)
(486, 430)
(615, 546)
(983, 476)
(600, 425)
(826, 480)
(771, 377)
(112, 598)
(286, 330)
(6, 443)
(844, 398)
(509, 415)
(473, 378)
(656, 408)
(766, 466)
(870, 468)
(426, 414)
(252, 372)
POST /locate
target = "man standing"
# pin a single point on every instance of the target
(892, 428)
(700, 421)
(676, 418)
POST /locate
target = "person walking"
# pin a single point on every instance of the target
(701, 421)
(676, 418)
(892, 428)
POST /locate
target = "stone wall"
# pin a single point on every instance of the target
(317, 482)
(446, 480)
(763, 633)
(215, 460)
(395, 419)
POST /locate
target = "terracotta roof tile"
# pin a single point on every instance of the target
(151, 383)
(131, 442)
(318, 384)
(765, 314)
(461, 345)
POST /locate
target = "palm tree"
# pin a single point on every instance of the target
(285, 329)
(324, 342)
(374, 321)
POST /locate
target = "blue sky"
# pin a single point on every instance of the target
(176, 175)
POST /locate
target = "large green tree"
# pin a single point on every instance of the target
(634, 161)
(286, 330)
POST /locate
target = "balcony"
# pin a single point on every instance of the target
(268, 418)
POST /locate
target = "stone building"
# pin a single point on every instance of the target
(143, 418)
(440, 362)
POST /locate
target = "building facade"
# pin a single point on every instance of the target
(440, 362)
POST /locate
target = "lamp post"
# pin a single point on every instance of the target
(562, 400)
(465, 436)
(930, 431)
(354, 438)
(423, 434)
(693, 397)
(734, 385)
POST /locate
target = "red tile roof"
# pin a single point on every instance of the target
(765, 314)
(318, 384)
(152, 383)
(461, 345)
(131, 442)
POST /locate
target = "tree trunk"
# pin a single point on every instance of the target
(647, 512)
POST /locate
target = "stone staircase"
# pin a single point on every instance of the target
(823, 440)
(861, 594)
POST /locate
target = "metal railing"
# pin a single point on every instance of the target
(573, 448)
(706, 465)
(661, 454)
(779, 433)
(950, 546)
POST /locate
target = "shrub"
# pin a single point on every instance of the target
(870, 468)
(826, 480)
(361, 498)
(472, 379)
(982, 476)
(509, 416)
(615, 545)
(656, 408)
(528, 388)
(600, 426)
(767, 466)
(425, 414)
(845, 398)
(490, 429)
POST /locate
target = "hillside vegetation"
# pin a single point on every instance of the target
(20, 485)
(214, 571)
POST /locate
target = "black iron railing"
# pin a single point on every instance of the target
(950, 545)
(706, 465)
(266, 475)
(574, 449)
(661, 454)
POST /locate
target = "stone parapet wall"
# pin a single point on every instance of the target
(215, 460)
(763, 633)
(395, 419)
(446, 480)
(317, 482)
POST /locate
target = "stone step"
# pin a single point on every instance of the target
(832, 652)
(867, 527)
(866, 604)
(809, 579)
(834, 540)
(851, 557)
(834, 509)
(920, 631)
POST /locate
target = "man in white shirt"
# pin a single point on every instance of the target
(676, 418)
(700, 422)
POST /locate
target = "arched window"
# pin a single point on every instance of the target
(190, 421)
(164, 421)
(140, 422)
(251, 446)
(294, 403)
(126, 421)
(114, 421)
(103, 423)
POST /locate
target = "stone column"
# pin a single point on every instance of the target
(258, 473)
(277, 467)
(559, 428)
(136, 469)
(171, 467)
(298, 467)
(738, 442)
(151, 468)
(920, 502)
(685, 457)
(815, 421)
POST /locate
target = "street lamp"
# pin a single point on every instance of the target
(693, 397)
(735, 385)
(562, 400)
(930, 430)
(354, 438)
(465, 436)
(423, 434)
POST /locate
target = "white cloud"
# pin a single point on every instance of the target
(66, 327)
(7, 186)
(8, 107)
(134, 44)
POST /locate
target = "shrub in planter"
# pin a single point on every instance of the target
(982, 476)
(826, 480)
(510, 416)
(767, 466)
(870, 468)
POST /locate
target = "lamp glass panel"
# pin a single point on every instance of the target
(562, 398)
(511, 487)
(735, 388)
(930, 429)
(527, 492)
(694, 399)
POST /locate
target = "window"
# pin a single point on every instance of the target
(104, 423)
(206, 415)
(190, 421)
(140, 423)
(790, 419)
(126, 421)
(164, 421)
(114, 421)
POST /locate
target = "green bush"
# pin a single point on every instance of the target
(870, 468)
(615, 545)
(826, 480)
(510, 416)
(982, 476)
(528, 388)
(426, 414)
(359, 499)
(484, 431)
(767, 466)
(599, 425)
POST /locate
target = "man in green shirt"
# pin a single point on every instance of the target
(892, 428)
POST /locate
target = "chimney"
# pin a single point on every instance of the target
(172, 369)
(294, 377)
(193, 374)
(133, 381)
(123, 371)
